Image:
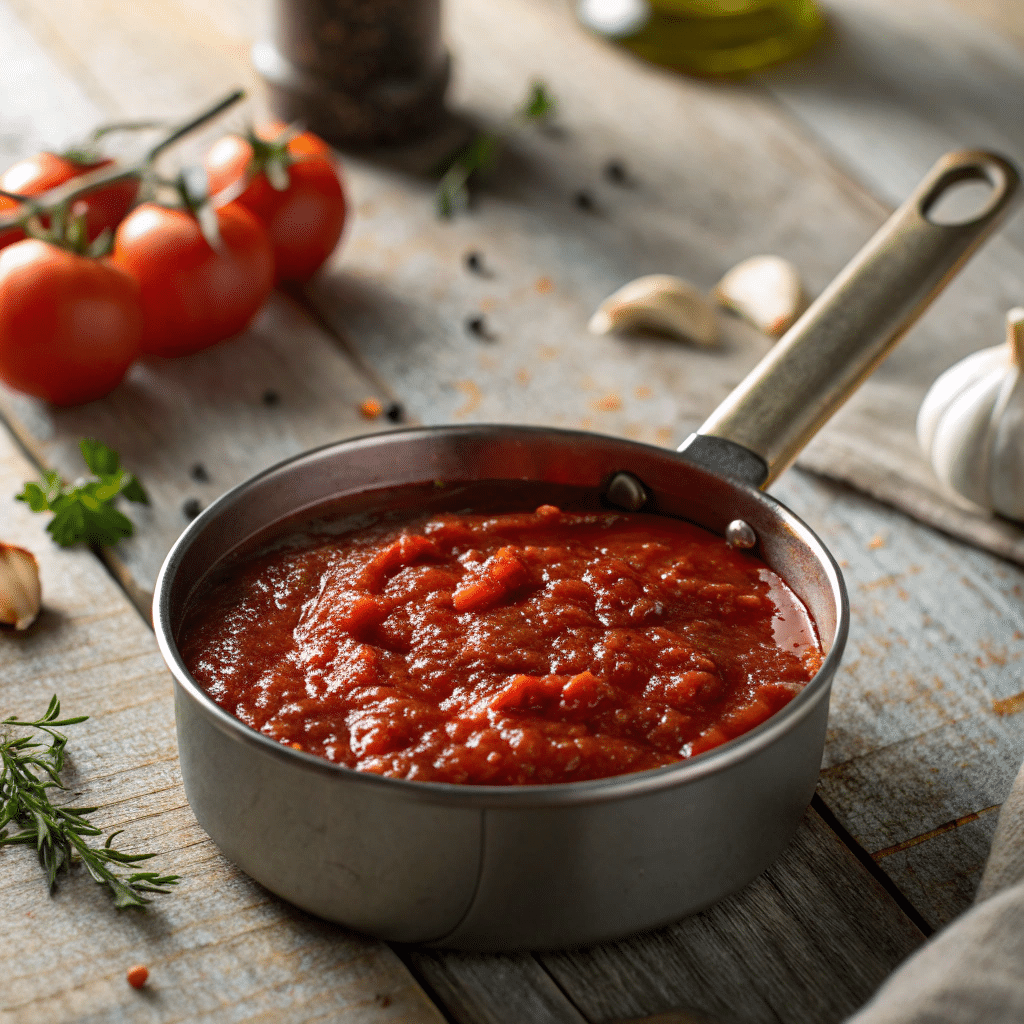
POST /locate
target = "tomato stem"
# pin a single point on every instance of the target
(196, 122)
(89, 182)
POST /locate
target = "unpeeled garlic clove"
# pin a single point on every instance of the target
(658, 302)
(764, 290)
(20, 592)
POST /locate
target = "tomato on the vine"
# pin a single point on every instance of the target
(70, 325)
(194, 294)
(293, 187)
(104, 208)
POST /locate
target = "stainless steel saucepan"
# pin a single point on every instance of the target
(488, 867)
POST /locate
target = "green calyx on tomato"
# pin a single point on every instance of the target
(289, 180)
(271, 157)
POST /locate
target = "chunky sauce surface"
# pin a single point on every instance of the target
(521, 648)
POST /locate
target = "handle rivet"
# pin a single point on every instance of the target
(625, 491)
(739, 534)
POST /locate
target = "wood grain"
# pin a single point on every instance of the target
(494, 989)
(807, 950)
(891, 88)
(916, 741)
(219, 948)
(719, 172)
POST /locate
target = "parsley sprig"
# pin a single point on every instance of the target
(29, 769)
(85, 512)
(481, 153)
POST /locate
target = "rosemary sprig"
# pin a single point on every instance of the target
(482, 152)
(29, 769)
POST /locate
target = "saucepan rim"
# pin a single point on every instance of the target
(542, 794)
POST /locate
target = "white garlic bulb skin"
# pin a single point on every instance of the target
(971, 425)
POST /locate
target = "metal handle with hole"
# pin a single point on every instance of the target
(827, 354)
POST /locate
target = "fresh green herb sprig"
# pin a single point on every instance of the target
(85, 512)
(482, 152)
(29, 769)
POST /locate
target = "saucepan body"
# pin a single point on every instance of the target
(486, 867)
(492, 866)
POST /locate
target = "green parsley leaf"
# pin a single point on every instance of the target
(85, 512)
(103, 461)
(539, 105)
(481, 154)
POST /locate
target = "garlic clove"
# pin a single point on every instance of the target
(764, 290)
(658, 302)
(20, 592)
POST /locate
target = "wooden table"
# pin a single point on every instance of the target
(922, 744)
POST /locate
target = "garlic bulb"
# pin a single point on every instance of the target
(658, 302)
(20, 593)
(971, 424)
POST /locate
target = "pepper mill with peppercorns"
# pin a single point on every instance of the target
(359, 73)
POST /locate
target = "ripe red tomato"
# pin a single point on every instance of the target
(104, 208)
(304, 220)
(194, 295)
(70, 325)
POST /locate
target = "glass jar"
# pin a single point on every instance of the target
(708, 37)
(359, 73)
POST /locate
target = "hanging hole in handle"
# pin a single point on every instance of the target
(964, 195)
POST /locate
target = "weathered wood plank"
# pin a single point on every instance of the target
(922, 729)
(494, 989)
(804, 947)
(219, 948)
(894, 86)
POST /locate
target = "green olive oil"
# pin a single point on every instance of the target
(716, 37)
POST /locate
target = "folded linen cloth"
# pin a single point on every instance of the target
(972, 972)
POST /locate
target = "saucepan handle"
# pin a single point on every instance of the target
(783, 402)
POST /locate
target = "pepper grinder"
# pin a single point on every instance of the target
(360, 73)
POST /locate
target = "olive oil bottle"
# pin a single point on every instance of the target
(708, 37)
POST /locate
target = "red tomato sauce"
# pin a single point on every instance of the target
(506, 649)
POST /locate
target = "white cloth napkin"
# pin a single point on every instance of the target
(972, 972)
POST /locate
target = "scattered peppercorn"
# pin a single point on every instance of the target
(477, 325)
(271, 398)
(138, 975)
(191, 508)
(475, 263)
(395, 412)
(199, 474)
(370, 409)
(615, 171)
(584, 201)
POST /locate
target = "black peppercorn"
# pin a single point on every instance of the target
(271, 398)
(394, 412)
(199, 474)
(584, 200)
(615, 171)
(191, 508)
(477, 326)
(475, 263)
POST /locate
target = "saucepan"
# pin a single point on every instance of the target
(547, 866)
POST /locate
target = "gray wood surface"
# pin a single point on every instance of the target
(923, 739)
(220, 948)
(892, 88)
(777, 934)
